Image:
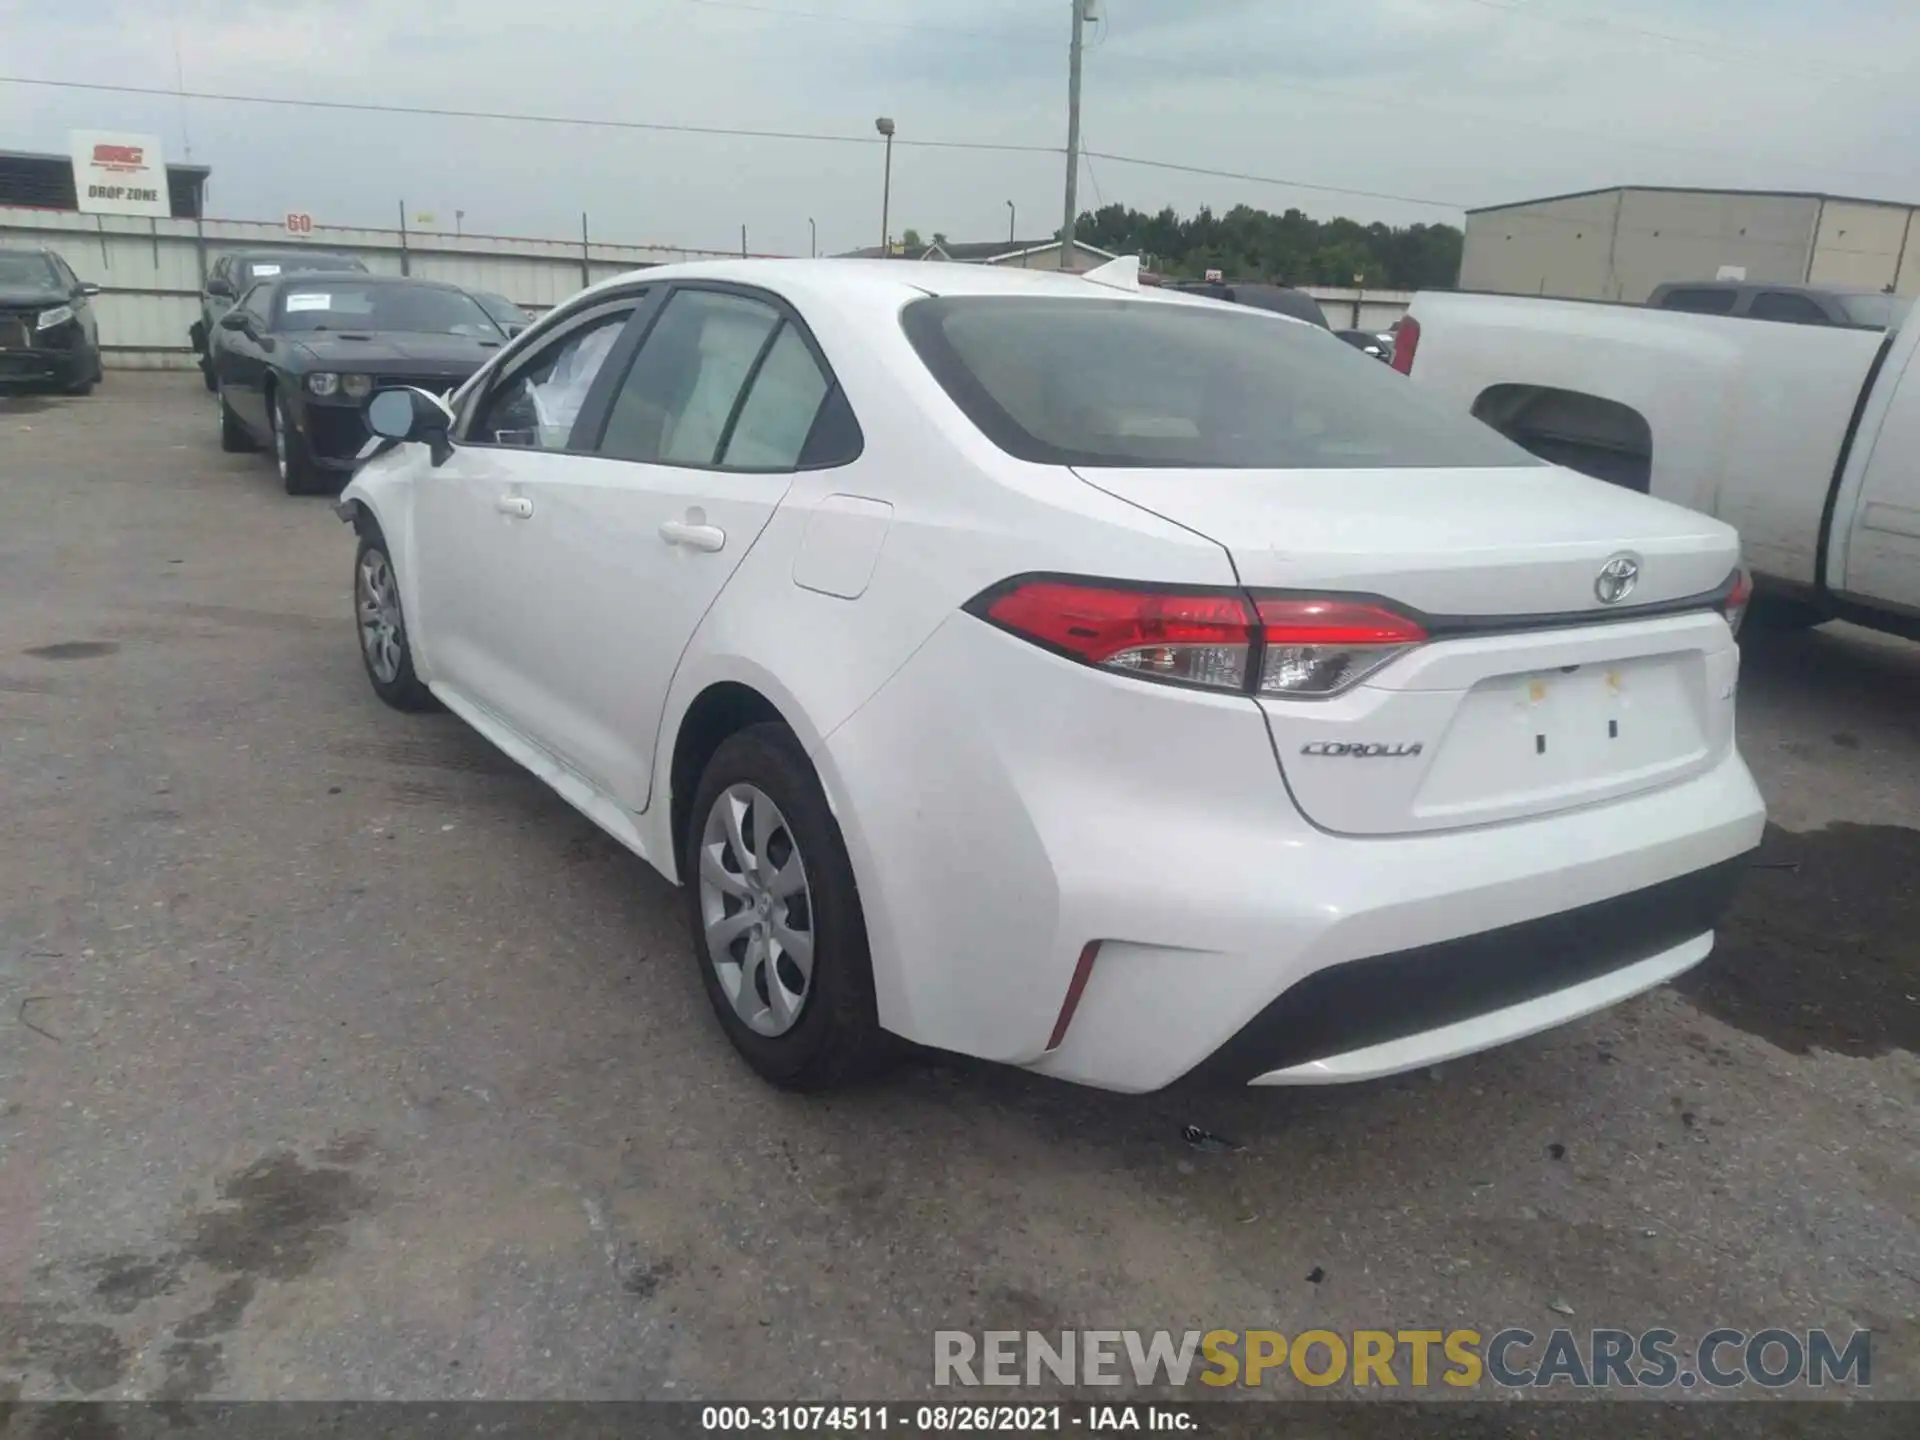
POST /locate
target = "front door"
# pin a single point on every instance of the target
(693, 449)
(479, 522)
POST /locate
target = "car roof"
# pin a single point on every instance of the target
(854, 279)
(1789, 287)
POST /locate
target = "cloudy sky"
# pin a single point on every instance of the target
(1449, 102)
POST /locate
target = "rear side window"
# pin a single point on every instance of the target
(1785, 305)
(1700, 301)
(779, 410)
(674, 405)
(1125, 383)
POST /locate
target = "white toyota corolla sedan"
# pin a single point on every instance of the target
(1107, 682)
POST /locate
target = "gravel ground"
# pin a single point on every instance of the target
(340, 1059)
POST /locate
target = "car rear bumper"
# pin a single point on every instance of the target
(1053, 807)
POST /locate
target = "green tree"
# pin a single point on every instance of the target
(1291, 248)
(911, 239)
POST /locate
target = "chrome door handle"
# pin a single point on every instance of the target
(694, 537)
(518, 506)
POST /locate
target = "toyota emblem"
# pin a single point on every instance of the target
(1617, 579)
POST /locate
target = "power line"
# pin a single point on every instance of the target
(1713, 48)
(864, 22)
(1241, 175)
(1400, 102)
(367, 107)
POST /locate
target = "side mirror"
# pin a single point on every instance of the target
(223, 288)
(412, 415)
(234, 320)
(85, 290)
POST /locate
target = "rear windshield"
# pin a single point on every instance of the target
(344, 305)
(1063, 381)
(1881, 312)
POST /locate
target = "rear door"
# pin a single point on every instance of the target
(698, 444)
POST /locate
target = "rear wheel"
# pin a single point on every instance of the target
(1782, 612)
(292, 455)
(776, 918)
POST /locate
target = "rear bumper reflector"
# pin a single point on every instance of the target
(1075, 989)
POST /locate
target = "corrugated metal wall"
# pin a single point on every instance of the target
(1621, 244)
(150, 270)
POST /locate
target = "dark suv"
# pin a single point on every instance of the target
(233, 274)
(1795, 304)
(48, 333)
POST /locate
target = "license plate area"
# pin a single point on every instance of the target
(1552, 738)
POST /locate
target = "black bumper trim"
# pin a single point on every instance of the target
(1358, 1003)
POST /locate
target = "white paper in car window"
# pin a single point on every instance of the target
(260, 272)
(558, 399)
(309, 301)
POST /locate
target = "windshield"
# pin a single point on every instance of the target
(1882, 312)
(25, 269)
(346, 305)
(1065, 381)
(502, 309)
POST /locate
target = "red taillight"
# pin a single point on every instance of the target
(1406, 340)
(1280, 645)
(1320, 647)
(1735, 605)
(1198, 638)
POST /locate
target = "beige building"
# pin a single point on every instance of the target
(1619, 244)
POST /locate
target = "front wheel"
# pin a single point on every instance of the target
(384, 647)
(776, 918)
(234, 438)
(292, 454)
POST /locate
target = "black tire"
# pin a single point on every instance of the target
(85, 386)
(234, 438)
(206, 374)
(837, 1038)
(298, 472)
(1782, 613)
(403, 689)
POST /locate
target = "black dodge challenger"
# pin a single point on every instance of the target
(296, 357)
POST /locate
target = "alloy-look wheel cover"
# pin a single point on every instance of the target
(382, 636)
(757, 909)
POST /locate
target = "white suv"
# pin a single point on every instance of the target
(1109, 683)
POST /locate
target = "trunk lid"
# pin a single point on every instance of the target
(1533, 695)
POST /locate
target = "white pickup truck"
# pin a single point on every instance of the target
(1804, 438)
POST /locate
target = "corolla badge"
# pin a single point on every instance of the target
(1362, 751)
(1617, 579)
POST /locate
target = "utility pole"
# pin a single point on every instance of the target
(1073, 133)
(886, 127)
(813, 238)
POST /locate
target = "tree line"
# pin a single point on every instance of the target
(1292, 248)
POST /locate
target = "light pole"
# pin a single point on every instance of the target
(813, 238)
(885, 126)
(1013, 224)
(1080, 8)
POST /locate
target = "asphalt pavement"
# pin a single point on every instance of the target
(339, 1058)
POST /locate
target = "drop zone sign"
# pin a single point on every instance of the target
(116, 174)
